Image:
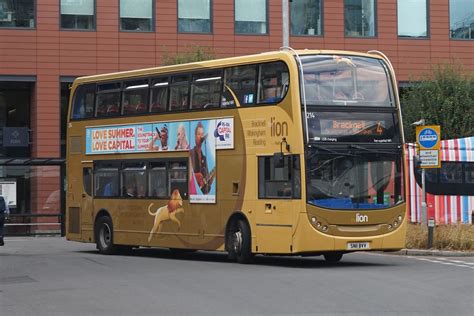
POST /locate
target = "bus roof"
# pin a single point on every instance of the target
(265, 56)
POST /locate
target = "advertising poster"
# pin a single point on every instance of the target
(8, 191)
(202, 162)
(158, 136)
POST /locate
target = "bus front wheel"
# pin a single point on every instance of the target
(105, 236)
(333, 257)
(240, 243)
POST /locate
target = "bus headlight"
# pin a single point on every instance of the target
(389, 227)
(325, 228)
(395, 224)
(399, 218)
(313, 219)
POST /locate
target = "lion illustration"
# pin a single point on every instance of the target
(167, 213)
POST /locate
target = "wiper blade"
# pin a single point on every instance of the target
(374, 151)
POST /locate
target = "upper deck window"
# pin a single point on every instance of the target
(135, 97)
(346, 80)
(108, 99)
(273, 82)
(206, 90)
(83, 105)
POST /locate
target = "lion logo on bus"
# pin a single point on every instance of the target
(167, 213)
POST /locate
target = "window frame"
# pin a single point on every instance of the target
(449, 23)
(267, 23)
(35, 19)
(321, 15)
(94, 21)
(121, 166)
(211, 21)
(152, 25)
(375, 22)
(428, 33)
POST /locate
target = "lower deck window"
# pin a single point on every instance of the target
(280, 180)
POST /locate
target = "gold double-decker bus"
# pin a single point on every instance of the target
(286, 152)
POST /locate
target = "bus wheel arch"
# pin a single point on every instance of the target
(238, 238)
(104, 233)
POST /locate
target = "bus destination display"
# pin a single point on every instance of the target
(352, 127)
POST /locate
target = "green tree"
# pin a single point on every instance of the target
(192, 54)
(443, 97)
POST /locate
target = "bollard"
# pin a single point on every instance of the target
(431, 224)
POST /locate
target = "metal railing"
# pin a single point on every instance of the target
(25, 221)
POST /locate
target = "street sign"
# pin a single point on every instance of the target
(428, 137)
(428, 140)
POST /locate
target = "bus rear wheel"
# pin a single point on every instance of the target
(239, 247)
(105, 236)
(333, 257)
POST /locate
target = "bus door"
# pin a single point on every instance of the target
(87, 202)
(278, 186)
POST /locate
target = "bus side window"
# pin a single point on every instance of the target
(108, 99)
(87, 180)
(273, 82)
(83, 102)
(179, 91)
(135, 97)
(157, 180)
(177, 174)
(106, 179)
(159, 95)
(205, 90)
(241, 81)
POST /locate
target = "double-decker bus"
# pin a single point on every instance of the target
(286, 152)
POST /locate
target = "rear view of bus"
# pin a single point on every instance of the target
(353, 155)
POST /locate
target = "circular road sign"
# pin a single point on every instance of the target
(428, 138)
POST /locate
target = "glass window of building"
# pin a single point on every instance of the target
(412, 18)
(359, 18)
(461, 19)
(19, 13)
(136, 15)
(194, 16)
(306, 17)
(251, 16)
(78, 14)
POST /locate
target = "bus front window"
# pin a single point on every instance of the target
(346, 80)
(354, 181)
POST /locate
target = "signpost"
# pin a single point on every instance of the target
(428, 141)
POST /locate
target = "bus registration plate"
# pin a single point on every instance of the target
(358, 246)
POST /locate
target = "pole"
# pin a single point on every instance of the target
(423, 197)
(285, 23)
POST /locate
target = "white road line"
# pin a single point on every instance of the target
(445, 261)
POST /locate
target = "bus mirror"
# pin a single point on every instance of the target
(278, 160)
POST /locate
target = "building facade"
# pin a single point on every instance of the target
(45, 44)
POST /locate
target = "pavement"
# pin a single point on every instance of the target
(434, 253)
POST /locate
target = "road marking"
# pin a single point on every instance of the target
(446, 261)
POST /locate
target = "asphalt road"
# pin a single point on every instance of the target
(52, 276)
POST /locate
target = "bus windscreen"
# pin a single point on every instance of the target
(346, 80)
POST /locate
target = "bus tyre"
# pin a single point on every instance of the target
(333, 257)
(105, 236)
(240, 243)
